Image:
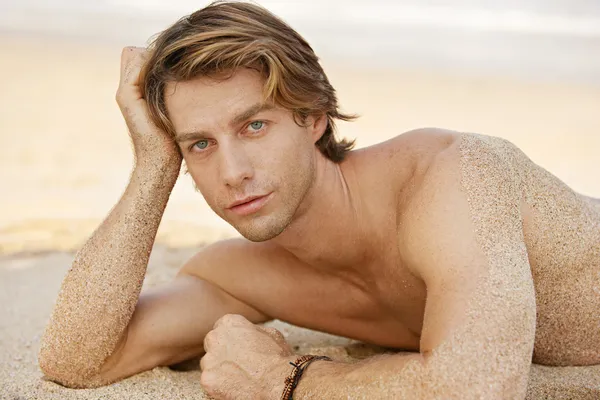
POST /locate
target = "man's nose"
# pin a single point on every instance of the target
(235, 166)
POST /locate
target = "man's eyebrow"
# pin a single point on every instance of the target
(236, 120)
(189, 136)
(249, 113)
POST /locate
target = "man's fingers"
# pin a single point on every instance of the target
(216, 382)
(130, 54)
(209, 340)
(276, 335)
(132, 60)
(272, 332)
(211, 382)
(207, 362)
(231, 320)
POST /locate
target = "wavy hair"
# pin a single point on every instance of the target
(220, 38)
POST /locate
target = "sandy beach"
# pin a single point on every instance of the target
(29, 285)
(65, 159)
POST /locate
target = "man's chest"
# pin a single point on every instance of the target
(386, 309)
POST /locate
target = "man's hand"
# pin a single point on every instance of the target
(151, 144)
(96, 304)
(244, 361)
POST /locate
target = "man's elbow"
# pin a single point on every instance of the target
(66, 372)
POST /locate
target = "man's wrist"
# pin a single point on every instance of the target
(166, 166)
(319, 377)
(167, 161)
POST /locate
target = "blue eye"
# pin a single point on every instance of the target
(256, 125)
(202, 144)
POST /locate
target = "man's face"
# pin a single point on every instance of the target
(236, 148)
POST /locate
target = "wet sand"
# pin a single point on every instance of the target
(65, 159)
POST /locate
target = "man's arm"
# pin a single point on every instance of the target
(94, 337)
(100, 291)
(170, 321)
(465, 240)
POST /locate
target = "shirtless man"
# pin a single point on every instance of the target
(453, 246)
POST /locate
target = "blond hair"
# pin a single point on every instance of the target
(224, 36)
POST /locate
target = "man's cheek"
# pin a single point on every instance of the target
(208, 192)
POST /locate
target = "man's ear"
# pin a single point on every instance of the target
(317, 125)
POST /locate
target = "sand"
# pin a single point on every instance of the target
(29, 287)
(27, 304)
(65, 160)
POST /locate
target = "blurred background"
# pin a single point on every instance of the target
(526, 70)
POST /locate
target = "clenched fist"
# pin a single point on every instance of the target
(244, 361)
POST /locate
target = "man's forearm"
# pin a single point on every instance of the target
(100, 292)
(404, 376)
(397, 376)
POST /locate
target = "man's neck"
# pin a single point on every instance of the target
(330, 231)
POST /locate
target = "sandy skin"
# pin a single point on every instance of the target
(435, 241)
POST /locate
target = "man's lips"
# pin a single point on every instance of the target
(243, 201)
(249, 204)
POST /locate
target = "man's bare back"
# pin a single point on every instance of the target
(452, 245)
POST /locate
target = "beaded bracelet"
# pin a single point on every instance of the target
(292, 380)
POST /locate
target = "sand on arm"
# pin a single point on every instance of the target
(99, 293)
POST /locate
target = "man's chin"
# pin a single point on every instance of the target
(260, 232)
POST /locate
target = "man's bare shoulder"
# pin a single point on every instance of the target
(241, 267)
(414, 145)
(236, 255)
(442, 165)
(400, 163)
(471, 166)
(441, 153)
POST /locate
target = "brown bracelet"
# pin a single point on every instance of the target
(293, 378)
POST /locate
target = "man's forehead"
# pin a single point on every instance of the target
(243, 83)
(207, 101)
